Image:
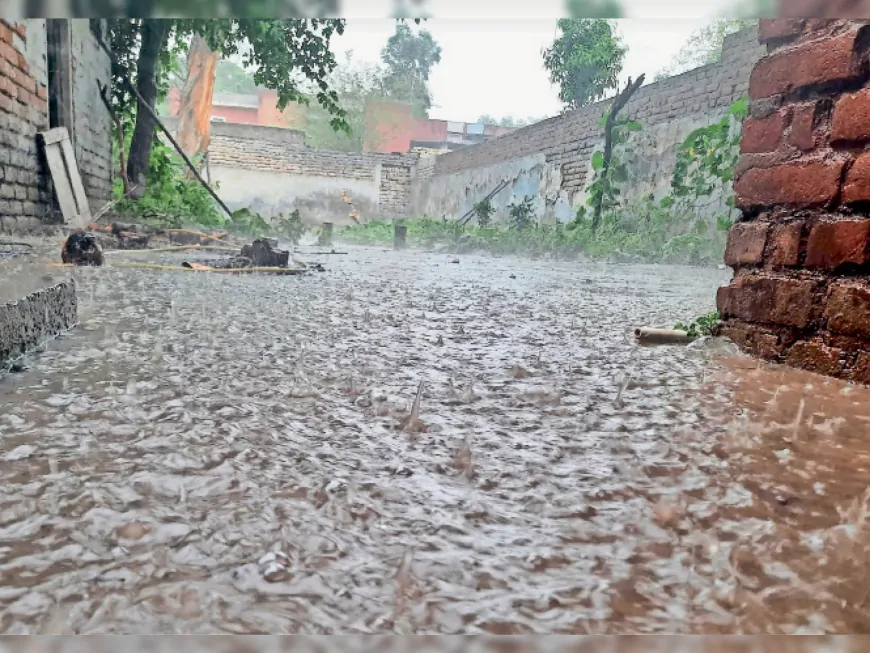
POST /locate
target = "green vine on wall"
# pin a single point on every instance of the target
(707, 157)
(606, 186)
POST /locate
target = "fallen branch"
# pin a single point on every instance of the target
(465, 219)
(132, 88)
(201, 268)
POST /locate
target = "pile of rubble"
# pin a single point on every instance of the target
(87, 247)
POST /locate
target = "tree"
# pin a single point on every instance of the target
(232, 78)
(585, 60)
(703, 47)
(358, 86)
(283, 53)
(409, 59)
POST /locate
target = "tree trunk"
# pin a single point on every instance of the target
(194, 114)
(154, 36)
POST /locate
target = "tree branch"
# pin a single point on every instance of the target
(618, 103)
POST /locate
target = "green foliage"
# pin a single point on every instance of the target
(706, 159)
(360, 87)
(522, 214)
(290, 227)
(585, 60)
(172, 199)
(409, 58)
(249, 223)
(283, 53)
(606, 186)
(706, 325)
(483, 211)
(642, 233)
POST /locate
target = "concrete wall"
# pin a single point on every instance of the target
(271, 171)
(26, 200)
(32, 320)
(550, 160)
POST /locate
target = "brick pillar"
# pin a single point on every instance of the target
(801, 250)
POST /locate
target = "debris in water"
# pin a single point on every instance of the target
(133, 531)
(650, 336)
(81, 249)
(274, 567)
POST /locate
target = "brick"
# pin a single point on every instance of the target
(847, 309)
(834, 244)
(746, 241)
(773, 29)
(803, 124)
(764, 134)
(851, 120)
(5, 34)
(815, 62)
(817, 357)
(42, 93)
(789, 302)
(799, 183)
(785, 244)
(856, 187)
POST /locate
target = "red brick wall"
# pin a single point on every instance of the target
(801, 253)
(24, 192)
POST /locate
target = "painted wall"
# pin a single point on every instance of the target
(550, 160)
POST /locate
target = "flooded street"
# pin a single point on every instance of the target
(238, 454)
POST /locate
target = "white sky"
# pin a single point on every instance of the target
(491, 51)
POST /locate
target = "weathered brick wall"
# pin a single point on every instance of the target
(91, 68)
(394, 190)
(26, 200)
(801, 252)
(268, 155)
(24, 187)
(550, 160)
(270, 170)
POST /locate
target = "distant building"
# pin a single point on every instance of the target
(390, 126)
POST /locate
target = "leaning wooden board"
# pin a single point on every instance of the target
(65, 177)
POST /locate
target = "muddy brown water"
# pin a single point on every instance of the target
(225, 454)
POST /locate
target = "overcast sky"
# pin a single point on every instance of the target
(491, 51)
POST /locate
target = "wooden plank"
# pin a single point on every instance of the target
(84, 209)
(62, 187)
(55, 135)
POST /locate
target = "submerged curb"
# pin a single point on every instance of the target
(28, 322)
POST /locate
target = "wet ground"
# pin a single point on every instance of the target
(238, 454)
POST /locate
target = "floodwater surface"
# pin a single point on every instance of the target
(213, 453)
